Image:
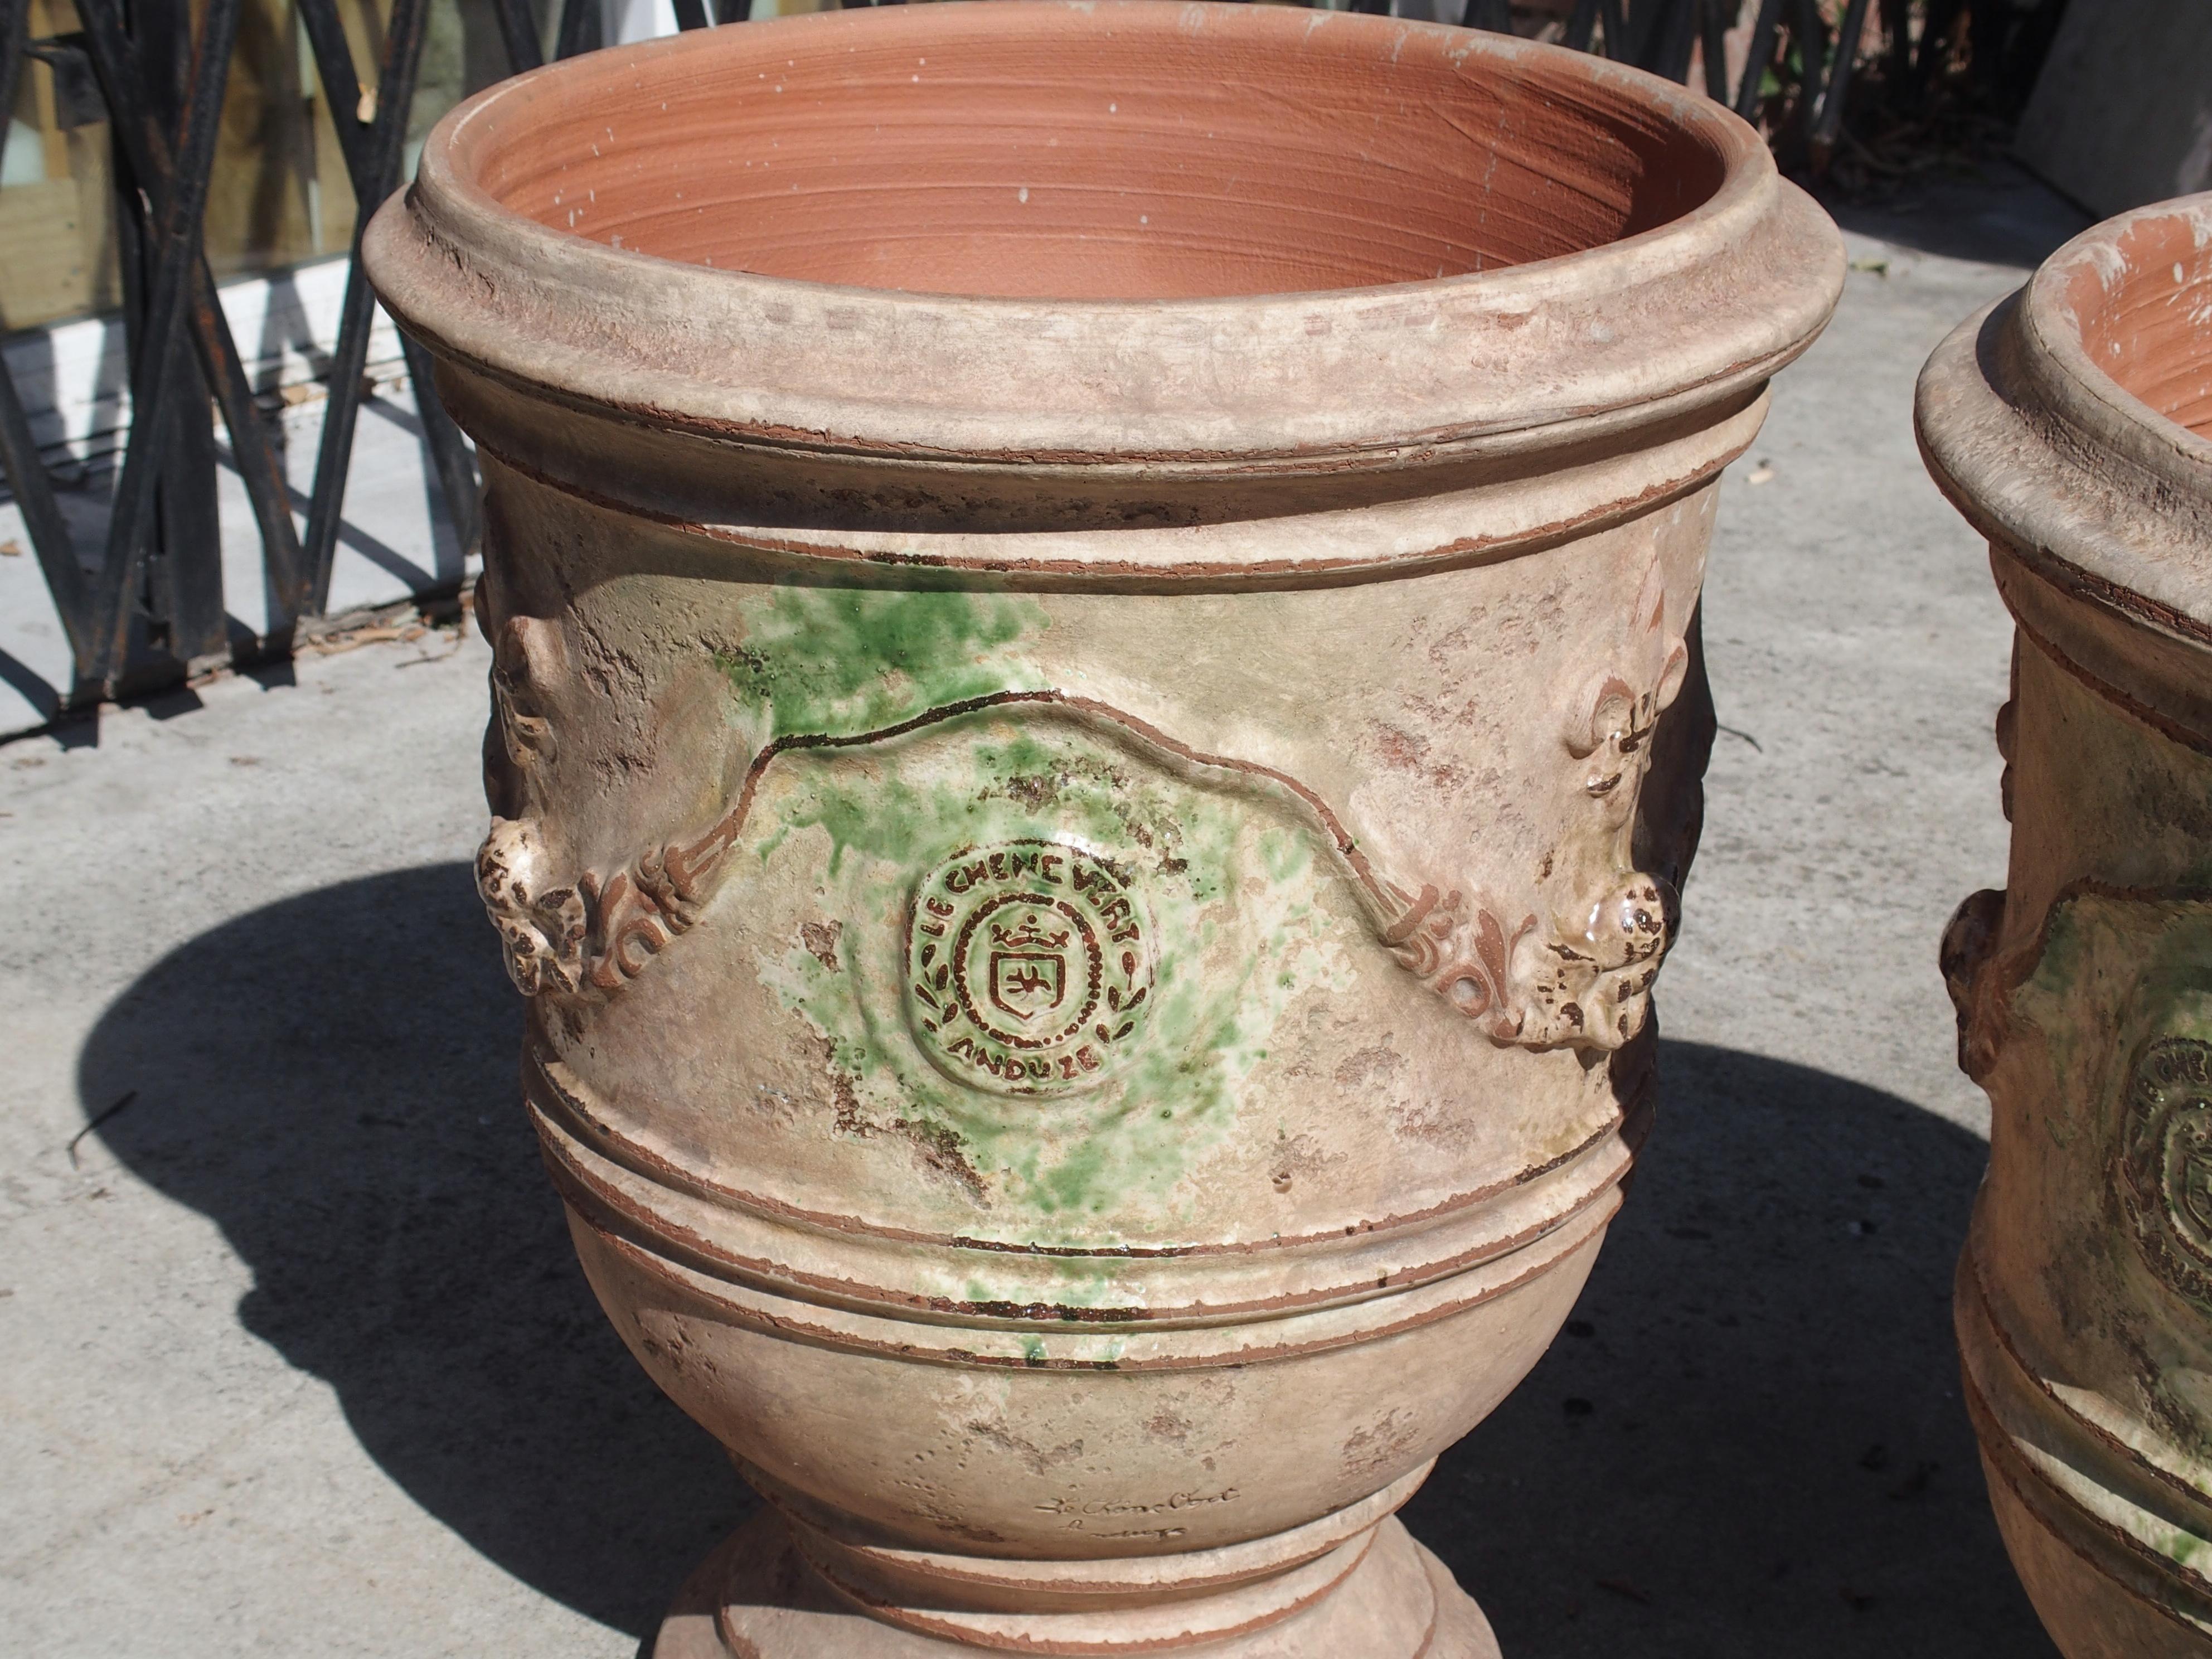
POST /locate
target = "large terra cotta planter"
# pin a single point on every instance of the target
(1098, 716)
(2072, 424)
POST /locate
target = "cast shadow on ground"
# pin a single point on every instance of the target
(1754, 1446)
(1996, 214)
(332, 1080)
(1748, 1442)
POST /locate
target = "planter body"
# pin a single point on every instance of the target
(2070, 423)
(1088, 841)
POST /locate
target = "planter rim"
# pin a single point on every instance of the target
(1694, 312)
(2050, 456)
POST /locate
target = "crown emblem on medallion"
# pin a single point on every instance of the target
(1027, 937)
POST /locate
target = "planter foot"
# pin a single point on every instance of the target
(757, 1597)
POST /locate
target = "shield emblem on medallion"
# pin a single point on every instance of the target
(1028, 984)
(2189, 1173)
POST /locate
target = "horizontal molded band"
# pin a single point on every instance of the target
(628, 1187)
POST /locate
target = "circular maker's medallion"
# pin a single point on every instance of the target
(2166, 1163)
(1029, 968)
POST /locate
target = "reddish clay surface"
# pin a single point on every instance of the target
(2148, 322)
(2069, 423)
(1145, 161)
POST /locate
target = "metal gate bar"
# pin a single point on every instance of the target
(372, 151)
(147, 161)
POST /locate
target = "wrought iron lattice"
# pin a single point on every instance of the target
(159, 580)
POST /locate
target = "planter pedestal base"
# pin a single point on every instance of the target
(758, 1597)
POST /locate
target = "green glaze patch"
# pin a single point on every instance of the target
(2102, 956)
(2120, 1004)
(1225, 883)
(2182, 1548)
(2062, 983)
(841, 662)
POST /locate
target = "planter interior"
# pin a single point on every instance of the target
(1067, 161)
(2142, 312)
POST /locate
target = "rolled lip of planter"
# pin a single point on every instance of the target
(1686, 274)
(2071, 423)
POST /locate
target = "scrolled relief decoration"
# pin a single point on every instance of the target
(1521, 984)
(1970, 941)
(2164, 1173)
(540, 918)
(1536, 987)
(538, 912)
(1582, 980)
(1601, 968)
(1971, 937)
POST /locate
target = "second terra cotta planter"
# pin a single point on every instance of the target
(2072, 424)
(1098, 716)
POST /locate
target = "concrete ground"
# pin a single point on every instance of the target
(297, 1360)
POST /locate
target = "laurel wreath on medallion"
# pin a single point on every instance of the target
(1028, 967)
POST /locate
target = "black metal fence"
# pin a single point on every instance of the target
(151, 603)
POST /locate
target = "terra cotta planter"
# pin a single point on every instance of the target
(2072, 424)
(1096, 717)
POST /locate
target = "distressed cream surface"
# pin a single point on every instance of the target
(1089, 845)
